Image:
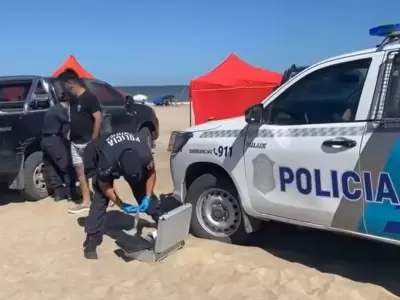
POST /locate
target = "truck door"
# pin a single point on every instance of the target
(115, 115)
(13, 94)
(10, 154)
(301, 165)
(37, 105)
(380, 156)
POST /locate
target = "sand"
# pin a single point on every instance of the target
(41, 257)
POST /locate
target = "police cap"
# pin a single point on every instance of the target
(129, 163)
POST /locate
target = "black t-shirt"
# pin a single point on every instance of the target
(106, 157)
(81, 112)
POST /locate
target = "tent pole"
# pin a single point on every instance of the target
(190, 111)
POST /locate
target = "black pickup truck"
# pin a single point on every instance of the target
(23, 103)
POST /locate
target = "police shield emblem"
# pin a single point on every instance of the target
(263, 174)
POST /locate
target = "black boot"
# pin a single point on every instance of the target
(59, 194)
(58, 198)
(90, 246)
(74, 197)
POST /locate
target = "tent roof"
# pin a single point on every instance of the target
(234, 72)
(72, 63)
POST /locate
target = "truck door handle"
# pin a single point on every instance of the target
(339, 142)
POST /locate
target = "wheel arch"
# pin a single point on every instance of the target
(197, 169)
(31, 147)
(28, 147)
(149, 125)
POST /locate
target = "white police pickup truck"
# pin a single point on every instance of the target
(322, 151)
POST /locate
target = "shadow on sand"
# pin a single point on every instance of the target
(353, 258)
(15, 196)
(10, 196)
(350, 257)
(118, 222)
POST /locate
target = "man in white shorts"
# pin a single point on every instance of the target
(85, 118)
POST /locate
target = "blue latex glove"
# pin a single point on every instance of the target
(129, 208)
(144, 205)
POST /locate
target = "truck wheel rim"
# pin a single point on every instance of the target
(218, 212)
(38, 178)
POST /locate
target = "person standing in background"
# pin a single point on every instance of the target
(56, 151)
(85, 118)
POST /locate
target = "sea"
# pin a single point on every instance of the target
(180, 92)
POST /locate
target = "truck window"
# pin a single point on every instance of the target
(40, 89)
(392, 102)
(328, 95)
(59, 90)
(40, 99)
(13, 93)
(107, 95)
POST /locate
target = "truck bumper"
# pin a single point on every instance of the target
(178, 171)
(12, 171)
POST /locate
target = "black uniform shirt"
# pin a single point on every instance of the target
(106, 158)
(56, 121)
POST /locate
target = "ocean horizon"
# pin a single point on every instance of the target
(180, 92)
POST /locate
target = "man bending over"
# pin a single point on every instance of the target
(119, 154)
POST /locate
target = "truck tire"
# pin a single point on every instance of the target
(35, 186)
(217, 213)
(146, 133)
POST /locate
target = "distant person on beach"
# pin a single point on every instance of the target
(85, 118)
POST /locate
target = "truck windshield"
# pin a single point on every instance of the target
(14, 91)
(105, 93)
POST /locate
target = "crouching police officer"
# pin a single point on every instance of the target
(55, 148)
(118, 154)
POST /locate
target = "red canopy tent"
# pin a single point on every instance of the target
(72, 63)
(229, 89)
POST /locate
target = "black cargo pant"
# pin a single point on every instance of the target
(95, 222)
(58, 165)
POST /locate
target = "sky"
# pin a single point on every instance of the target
(158, 42)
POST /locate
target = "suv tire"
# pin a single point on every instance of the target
(145, 132)
(223, 190)
(31, 191)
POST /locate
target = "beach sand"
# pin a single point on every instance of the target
(41, 256)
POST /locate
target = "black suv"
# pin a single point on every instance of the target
(23, 103)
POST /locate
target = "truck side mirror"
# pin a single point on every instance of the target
(254, 114)
(129, 101)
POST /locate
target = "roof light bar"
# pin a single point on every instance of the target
(385, 30)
